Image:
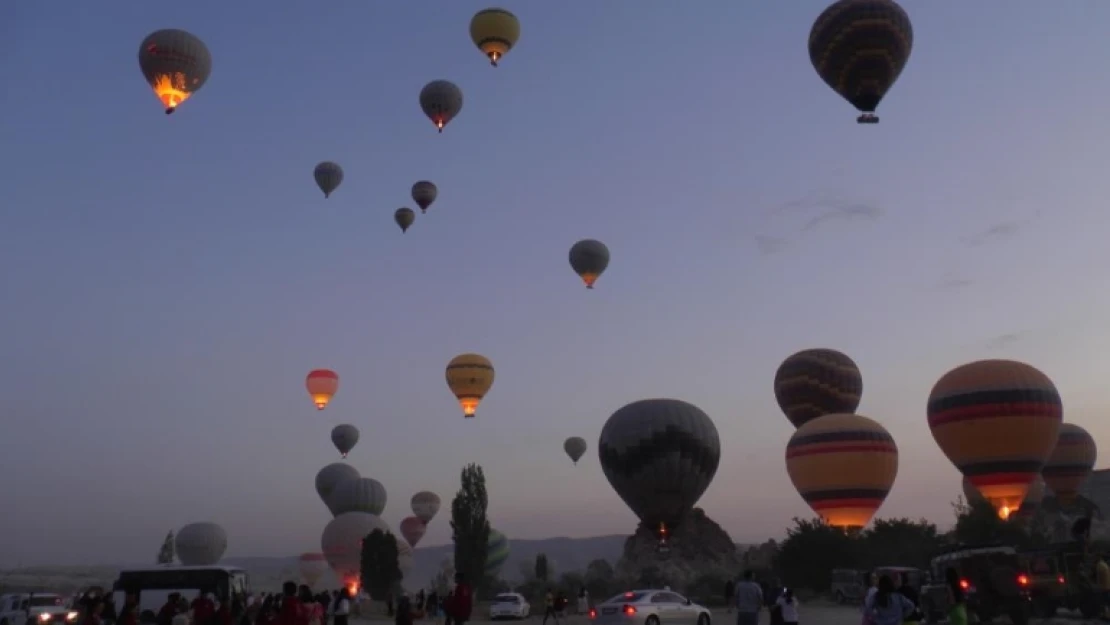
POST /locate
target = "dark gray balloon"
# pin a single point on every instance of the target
(328, 177)
(659, 455)
(344, 437)
(575, 446)
(589, 259)
(330, 476)
(175, 63)
(441, 101)
(357, 495)
(424, 192)
(404, 218)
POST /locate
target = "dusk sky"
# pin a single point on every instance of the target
(169, 281)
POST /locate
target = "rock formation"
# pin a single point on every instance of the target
(697, 547)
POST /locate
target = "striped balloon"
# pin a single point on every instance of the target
(497, 552)
(997, 421)
(1070, 463)
(1033, 497)
(843, 466)
(816, 382)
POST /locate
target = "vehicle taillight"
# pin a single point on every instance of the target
(964, 584)
(593, 613)
(1023, 580)
(629, 610)
(1061, 579)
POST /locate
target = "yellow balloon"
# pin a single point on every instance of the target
(495, 32)
(469, 376)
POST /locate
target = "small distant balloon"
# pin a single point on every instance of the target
(424, 193)
(404, 218)
(575, 446)
(425, 505)
(469, 376)
(322, 385)
(441, 101)
(412, 529)
(328, 177)
(344, 437)
(175, 64)
(495, 32)
(589, 259)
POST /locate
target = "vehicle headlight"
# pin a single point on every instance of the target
(44, 617)
(72, 616)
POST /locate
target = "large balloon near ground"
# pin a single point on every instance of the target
(497, 552)
(859, 48)
(589, 259)
(424, 193)
(1070, 463)
(328, 176)
(1033, 497)
(312, 566)
(816, 382)
(176, 64)
(322, 385)
(659, 455)
(575, 447)
(341, 542)
(344, 437)
(495, 32)
(425, 505)
(362, 494)
(843, 466)
(330, 476)
(470, 377)
(997, 421)
(412, 529)
(200, 544)
(441, 101)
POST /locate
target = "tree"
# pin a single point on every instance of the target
(167, 553)
(812, 550)
(470, 527)
(599, 579)
(380, 573)
(900, 542)
(542, 571)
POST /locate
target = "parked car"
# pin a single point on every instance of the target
(650, 607)
(509, 605)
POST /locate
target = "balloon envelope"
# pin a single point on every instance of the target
(441, 101)
(404, 218)
(495, 32)
(200, 544)
(470, 377)
(412, 529)
(997, 421)
(589, 259)
(341, 542)
(425, 505)
(344, 437)
(659, 455)
(816, 382)
(1033, 497)
(575, 447)
(843, 466)
(328, 176)
(176, 64)
(1071, 462)
(322, 385)
(497, 552)
(424, 193)
(362, 494)
(330, 476)
(312, 566)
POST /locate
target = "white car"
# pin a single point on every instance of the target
(650, 607)
(509, 605)
(40, 608)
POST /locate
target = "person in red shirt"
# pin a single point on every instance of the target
(462, 601)
(129, 613)
(204, 609)
(292, 610)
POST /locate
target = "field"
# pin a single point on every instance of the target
(819, 614)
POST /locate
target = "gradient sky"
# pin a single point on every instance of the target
(170, 280)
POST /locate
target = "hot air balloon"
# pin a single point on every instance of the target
(425, 505)
(405, 558)
(497, 552)
(495, 32)
(659, 455)
(328, 177)
(175, 64)
(1033, 497)
(341, 543)
(469, 376)
(404, 218)
(424, 193)
(1070, 463)
(575, 446)
(997, 421)
(441, 101)
(200, 544)
(312, 566)
(322, 384)
(330, 476)
(363, 494)
(588, 259)
(843, 466)
(344, 437)
(412, 529)
(816, 382)
(859, 47)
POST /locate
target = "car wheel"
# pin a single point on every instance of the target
(703, 619)
(652, 620)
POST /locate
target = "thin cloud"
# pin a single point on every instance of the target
(1002, 341)
(954, 283)
(845, 212)
(998, 232)
(769, 245)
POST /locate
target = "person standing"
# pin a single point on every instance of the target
(748, 600)
(730, 587)
(462, 603)
(549, 608)
(341, 609)
(788, 607)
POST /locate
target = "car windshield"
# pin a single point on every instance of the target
(39, 601)
(506, 599)
(626, 597)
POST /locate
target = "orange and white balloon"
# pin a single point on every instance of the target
(322, 385)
